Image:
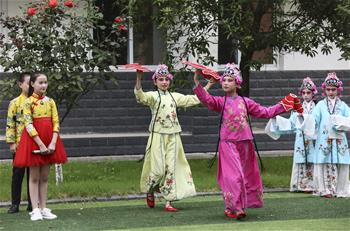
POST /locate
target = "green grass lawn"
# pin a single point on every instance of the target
(107, 178)
(282, 211)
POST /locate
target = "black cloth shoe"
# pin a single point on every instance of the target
(13, 209)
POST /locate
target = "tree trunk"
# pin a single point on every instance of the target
(245, 71)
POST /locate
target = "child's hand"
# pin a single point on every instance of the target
(210, 83)
(195, 77)
(52, 147)
(43, 149)
(139, 74)
(13, 148)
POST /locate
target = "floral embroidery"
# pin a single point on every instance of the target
(259, 195)
(331, 178)
(240, 121)
(241, 105)
(300, 151)
(152, 182)
(167, 117)
(326, 149)
(342, 149)
(304, 178)
(228, 199)
(190, 180)
(169, 185)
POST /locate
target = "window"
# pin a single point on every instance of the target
(147, 41)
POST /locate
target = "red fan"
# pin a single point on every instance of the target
(207, 72)
(136, 66)
(194, 65)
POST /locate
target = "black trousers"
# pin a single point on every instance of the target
(16, 184)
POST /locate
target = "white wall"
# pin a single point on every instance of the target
(297, 61)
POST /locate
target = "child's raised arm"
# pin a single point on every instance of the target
(138, 80)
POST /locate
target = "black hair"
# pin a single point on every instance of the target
(22, 76)
(33, 78)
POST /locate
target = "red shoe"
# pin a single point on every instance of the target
(150, 200)
(170, 208)
(237, 215)
(241, 214)
(327, 196)
(230, 214)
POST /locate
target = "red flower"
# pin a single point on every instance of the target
(122, 28)
(68, 3)
(169, 181)
(31, 11)
(53, 3)
(118, 19)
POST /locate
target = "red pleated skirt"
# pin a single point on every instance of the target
(24, 155)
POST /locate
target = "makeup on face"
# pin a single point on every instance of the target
(306, 94)
(162, 83)
(228, 84)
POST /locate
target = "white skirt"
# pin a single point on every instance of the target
(302, 178)
(331, 179)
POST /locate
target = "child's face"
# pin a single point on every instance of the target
(306, 94)
(331, 92)
(40, 84)
(228, 84)
(162, 83)
(25, 84)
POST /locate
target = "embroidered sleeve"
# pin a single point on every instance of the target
(214, 103)
(259, 111)
(11, 123)
(145, 98)
(28, 118)
(186, 100)
(55, 118)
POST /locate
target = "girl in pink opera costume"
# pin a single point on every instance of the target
(238, 171)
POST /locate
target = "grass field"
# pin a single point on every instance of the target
(282, 211)
(108, 178)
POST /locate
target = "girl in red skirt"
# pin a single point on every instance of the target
(40, 144)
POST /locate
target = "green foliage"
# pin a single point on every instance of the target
(58, 41)
(295, 25)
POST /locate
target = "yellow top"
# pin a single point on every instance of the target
(166, 121)
(38, 107)
(15, 123)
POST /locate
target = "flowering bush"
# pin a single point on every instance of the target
(55, 37)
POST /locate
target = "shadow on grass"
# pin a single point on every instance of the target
(192, 213)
